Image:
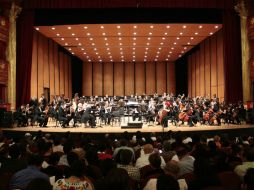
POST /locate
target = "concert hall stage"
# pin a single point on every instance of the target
(204, 129)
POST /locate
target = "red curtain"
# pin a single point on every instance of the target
(25, 24)
(219, 4)
(232, 57)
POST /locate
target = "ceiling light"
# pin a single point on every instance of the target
(156, 60)
(106, 44)
(96, 53)
(184, 26)
(133, 56)
(147, 48)
(111, 60)
(99, 57)
(84, 53)
(103, 33)
(102, 27)
(91, 39)
(177, 38)
(122, 56)
(120, 38)
(85, 27)
(66, 44)
(191, 38)
(109, 53)
(79, 44)
(107, 48)
(133, 52)
(181, 33)
(37, 28)
(62, 38)
(179, 55)
(211, 33)
(134, 38)
(105, 38)
(133, 60)
(150, 33)
(200, 26)
(168, 55)
(69, 27)
(170, 52)
(145, 56)
(73, 34)
(135, 26)
(134, 44)
(119, 33)
(185, 48)
(196, 33)
(121, 52)
(151, 26)
(167, 59)
(165, 33)
(163, 38)
(88, 34)
(182, 51)
(121, 49)
(133, 48)
(93, 44)
(146, 52)
(53, 28)
(147, 44)
(76, 39)
(94, 49)
(172, 48)
(110, 57)
(69, 49)
(82, 49)
(134, 33)
(216, 26)
(159, 48)
(120, 44)
(161, 43)
(188, 43)
(58, 34)
(156, 56)
(167, 26)
(122, 60)
(87, 57)
(149, 38)
(158, 52)
(175, 43)
(144, 60)
(89, 60)
(118, 26)
(100, 60)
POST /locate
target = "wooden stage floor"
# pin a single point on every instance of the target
(118, 129)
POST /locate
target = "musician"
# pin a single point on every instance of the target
(104, 113)
(89, 117)
(43, 101)
(21, 116)
(40, 115)
(136, 114)
(62, 115)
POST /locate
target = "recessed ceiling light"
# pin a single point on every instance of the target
(133, 56)
(156, 56)
(66, 44)
(119, 33)
(122, 56)
(118, 26)
(105, 38)
(79, 44)
(73, 34)
(134, 38)
(100, 60)
(185, 48)
(170, 52)
(191, 38)
(91, 39)
(120, 38)
(184, 26)
(85, 27)
(216, 26)
(62, 38)
(179, 55)
(109, 53)
(121, 49)
(177, 38)
(69, 49)
(53, 28)
(165, 33)
(151, 26)
(200, 26)
(145, 56)
(84, 53)
(182, 51)
(150, 33)
(69, 27)
(76, 39)
(155, 59)
(172, 48)
(96, 53)
(82, 49)
(134, 44)
(106, 44)
(161, 43)
(159, 48)
(102, 26)
(94, 49)
(167, 26)
(88, 34)
(93, 44)
(99, 57)
(168, 55)
(211, 33)
(120, 44)
(103, 33)
(148, 44)
(121, 52)
(133, 52)
(111, 60)
(89, 60)
(188, 43)
(134, 33)
(163, 38)
(37, 28)
(87, 57)
(167, 59)
(133, 60)
(122, 60)
(144, 60)
(149, 38)
(146, 52)
(133, 48)
(58, 34)
(196, 33)
(158, 52)
(175, 43)
(107, 48)
(110, 57)
(181, 33)
(135, 26)
(147, 48)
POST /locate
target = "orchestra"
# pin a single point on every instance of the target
(162, 110)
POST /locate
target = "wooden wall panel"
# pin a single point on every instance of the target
(70, 78)
(129, 79)
(193, 80)
(161, 77)
(34, 73)
(220, 66)
(202, 70)
(214, 82)
(119, 79)
(108, 79)
(207, 68)
(171, 77)
(189, 77)
(61, 72)
(197, 73)
(87, 79)
(40, 65)
(51, 69)
(150, 78)
(139, 78)
(97, 79)
(57, 74)
(45, 63)
(66, 77)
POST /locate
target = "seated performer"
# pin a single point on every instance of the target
(62, 116)
(136, 114)
(88, 116)
(40, 115)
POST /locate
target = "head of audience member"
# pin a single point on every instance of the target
(166, 146)
(92, 156)
(107, 165)
(54, 159)
(14, 151)
(123, 142)
(116, 179)
(35, 160)
(172, 168)
(125, 156)
(155, 160)
(167, 182)
(67, 147)
(77, 168)
(148, 148)
(39, 184)
(248, 154)
(71, 157)
(249, 179)
(182, 151)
